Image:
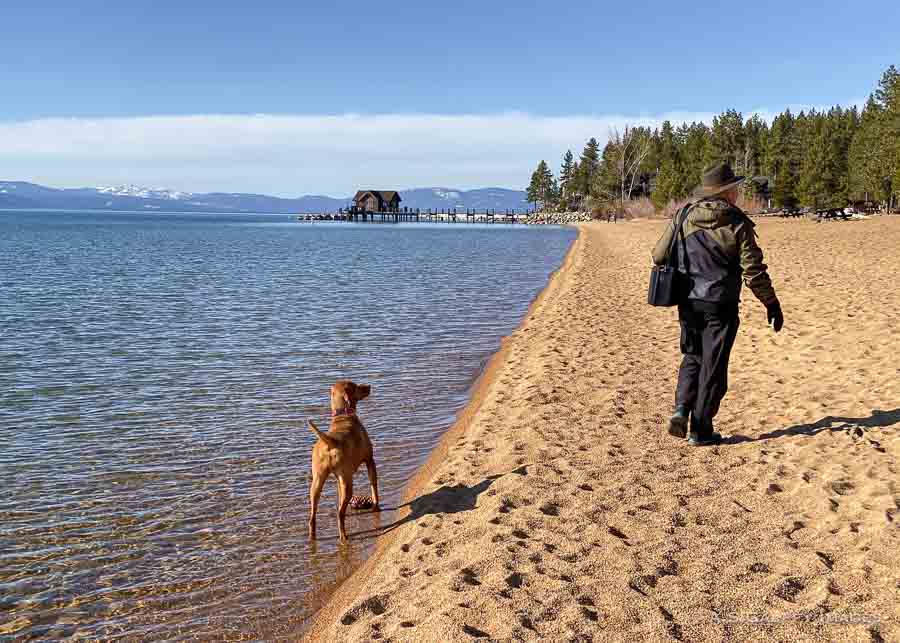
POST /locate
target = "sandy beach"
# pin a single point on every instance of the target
(558, 508)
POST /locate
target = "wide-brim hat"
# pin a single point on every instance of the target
(717, 179)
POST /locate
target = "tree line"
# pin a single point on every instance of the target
(817, 159)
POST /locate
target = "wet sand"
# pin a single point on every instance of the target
(557, 508)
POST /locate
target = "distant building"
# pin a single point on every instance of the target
(377, 201)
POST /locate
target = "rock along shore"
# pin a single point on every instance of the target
(558, 218)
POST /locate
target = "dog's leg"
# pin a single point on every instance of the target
(346, 487)
(315, 491)
(373, 481)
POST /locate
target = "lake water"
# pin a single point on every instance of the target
(156, 372)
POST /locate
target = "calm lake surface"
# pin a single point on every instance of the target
(156, 372)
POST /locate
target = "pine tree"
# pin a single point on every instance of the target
(698, 154)
(668, 143)
(874, 153)
(566, 177)
(818, 176)
(755, 135)
(865, 174)
(548, 186)
(669, 183)
(782, 154)
(588, 166)
(542, 188)
(553, 191)
(728, 139)
(895, 180)
(532, 194)
(887, 96)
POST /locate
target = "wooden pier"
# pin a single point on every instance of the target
(418, 215)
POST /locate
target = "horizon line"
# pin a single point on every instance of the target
(273, 196)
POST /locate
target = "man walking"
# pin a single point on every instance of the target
(716, 248)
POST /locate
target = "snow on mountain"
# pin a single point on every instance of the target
(144, 193)
(449, 195)
(19, 194)
(483, 198)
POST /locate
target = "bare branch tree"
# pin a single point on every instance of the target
(629, 150)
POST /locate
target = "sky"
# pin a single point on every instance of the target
(301, 97)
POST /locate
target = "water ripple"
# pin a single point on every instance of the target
(155, 376)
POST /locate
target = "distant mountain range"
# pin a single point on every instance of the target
(132, 198)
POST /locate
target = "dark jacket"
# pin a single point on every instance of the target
(717, 251)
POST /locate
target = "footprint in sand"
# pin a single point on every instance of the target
(789, 589)
(618, 534)
(843, 487)
(507, 506)
(549, 509)
(514, 580)
(376, 605)
(797, 526)
(466, 577)
(474, 632)
(827, 559)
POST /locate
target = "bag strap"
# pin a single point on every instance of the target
(678, 222)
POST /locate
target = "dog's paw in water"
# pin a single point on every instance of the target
(362, 502)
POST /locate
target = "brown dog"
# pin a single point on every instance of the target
(341, 451)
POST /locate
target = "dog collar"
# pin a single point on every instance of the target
(343, 412)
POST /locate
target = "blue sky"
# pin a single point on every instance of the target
(204, 95)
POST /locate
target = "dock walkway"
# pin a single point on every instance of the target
(448, 215)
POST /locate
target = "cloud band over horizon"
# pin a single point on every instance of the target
(290, 155)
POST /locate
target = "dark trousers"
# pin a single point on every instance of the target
(707, 337)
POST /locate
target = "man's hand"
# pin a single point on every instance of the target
(775, 316)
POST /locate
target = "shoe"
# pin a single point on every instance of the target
(678, 423)
(702, 433)
(710, 439)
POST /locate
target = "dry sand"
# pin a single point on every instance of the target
(559, 509)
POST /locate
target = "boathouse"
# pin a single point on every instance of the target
(377, 201)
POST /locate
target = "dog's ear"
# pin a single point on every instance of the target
(362, 391)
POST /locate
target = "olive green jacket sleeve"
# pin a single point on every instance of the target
(755, 274)
(661, 251)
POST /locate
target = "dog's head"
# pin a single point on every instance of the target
(345, 394)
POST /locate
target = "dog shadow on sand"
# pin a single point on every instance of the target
(449, 499)
(830, 423)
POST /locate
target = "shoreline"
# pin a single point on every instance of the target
(557, 507)
(345, 593)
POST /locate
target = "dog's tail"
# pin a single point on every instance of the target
(324, 437)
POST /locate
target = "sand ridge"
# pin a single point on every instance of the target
(561, 510)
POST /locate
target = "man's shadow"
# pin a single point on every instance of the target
(446, 500)
(831, 423)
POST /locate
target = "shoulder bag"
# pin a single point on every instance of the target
(664, 279)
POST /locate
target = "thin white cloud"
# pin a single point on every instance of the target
(297, 154)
